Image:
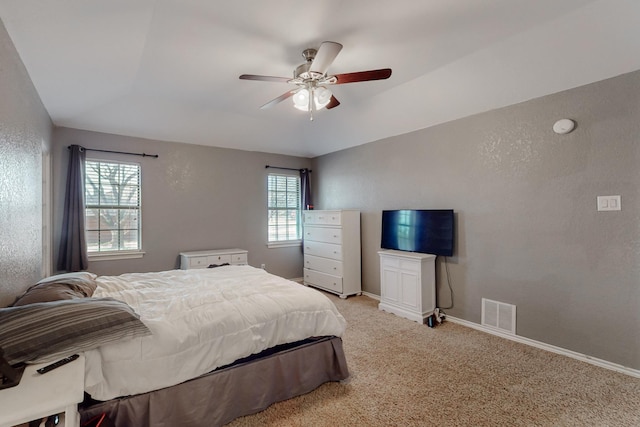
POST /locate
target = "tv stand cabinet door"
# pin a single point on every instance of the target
(390, 281)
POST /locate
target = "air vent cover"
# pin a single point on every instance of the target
(499, 315)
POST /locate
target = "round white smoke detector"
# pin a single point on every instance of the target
(564, 126)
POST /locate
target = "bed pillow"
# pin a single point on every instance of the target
(75, 277)
(59, 287)
(43, 332)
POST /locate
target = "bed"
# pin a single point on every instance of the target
(212, 345)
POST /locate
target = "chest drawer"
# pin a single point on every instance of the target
(325, 265)
(326, 250)
(323, 234)
(322, 217)
(327, 281)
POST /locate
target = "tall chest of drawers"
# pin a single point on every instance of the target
(332, 251)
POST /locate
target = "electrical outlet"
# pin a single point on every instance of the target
(609, 203)
(263, 266)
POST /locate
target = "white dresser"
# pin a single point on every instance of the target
(408, 284)
(332, 251)
(203, 259)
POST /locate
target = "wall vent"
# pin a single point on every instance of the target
(499, 315)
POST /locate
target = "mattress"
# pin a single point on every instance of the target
(200, 320)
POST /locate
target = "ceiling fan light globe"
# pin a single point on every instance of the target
(322, 96)
(301, 100)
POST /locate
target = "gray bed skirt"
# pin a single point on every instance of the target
(241, 389)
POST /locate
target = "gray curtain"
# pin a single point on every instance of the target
(305, 187)
(73, 243)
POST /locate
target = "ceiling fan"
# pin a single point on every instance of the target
(311, 79)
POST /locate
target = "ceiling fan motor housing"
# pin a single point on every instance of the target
(309, 54)
(302, 71)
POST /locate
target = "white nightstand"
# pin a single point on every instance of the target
(40, 395)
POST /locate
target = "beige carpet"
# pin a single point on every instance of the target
(406, 374)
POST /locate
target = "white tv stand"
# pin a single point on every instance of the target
(407, 284)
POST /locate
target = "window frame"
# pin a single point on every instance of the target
(117, 253)
(289, 242)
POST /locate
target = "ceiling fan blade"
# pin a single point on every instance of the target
(265, 78)
(279, 99)
(363, 76)
(325, 56)
(332, 103)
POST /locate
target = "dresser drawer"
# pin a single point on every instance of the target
(322, 217)
(239, 259)
(219, 259)
(323, 265)
(198, 262)
(326, 250)
(327, 281)
(323, 234)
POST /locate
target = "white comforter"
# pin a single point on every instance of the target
(201, 320)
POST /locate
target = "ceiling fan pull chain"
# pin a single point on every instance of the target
(312, 94)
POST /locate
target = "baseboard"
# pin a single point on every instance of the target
(548, 347)
(374, 296)
(298, 279)
(533, 343)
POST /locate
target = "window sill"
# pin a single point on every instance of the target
(112, 256)
(285, 244)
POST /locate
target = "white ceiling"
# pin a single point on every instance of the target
(168, 69)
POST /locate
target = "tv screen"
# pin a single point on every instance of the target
(414, 230)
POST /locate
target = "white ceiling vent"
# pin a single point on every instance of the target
(499, 315)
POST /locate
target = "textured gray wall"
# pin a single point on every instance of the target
(193, 198)
(25, 130)
(528, 232)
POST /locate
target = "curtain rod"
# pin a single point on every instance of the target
(155, 156)
(287, 169)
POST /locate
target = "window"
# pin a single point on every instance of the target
(112, 196)
(284, 208)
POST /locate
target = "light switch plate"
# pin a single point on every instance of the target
(609, 203)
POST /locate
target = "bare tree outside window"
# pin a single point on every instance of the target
(112, 194)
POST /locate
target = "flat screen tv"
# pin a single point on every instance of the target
(418, 230)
